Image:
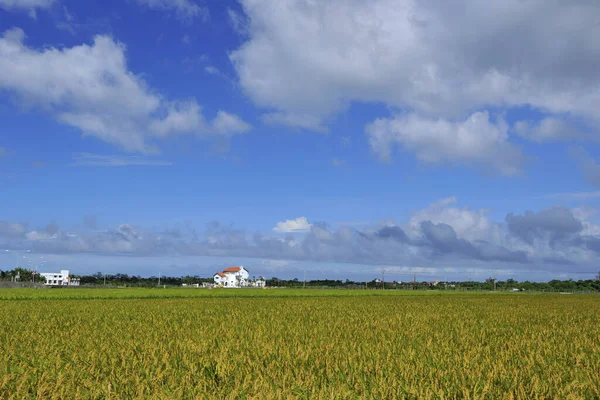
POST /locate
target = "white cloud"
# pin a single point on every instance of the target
(275, 265)
(313, 58)
(238, 22)
(474, 141)
(591, 169)
(3, 152)
(35, 235)
(182, 117)
(27, 5)
(212, 70)
(293, 225)
(12, 229)
(420, 55)
(90, 88)
(468, 224)
(548, 129)
(185, 9)
(302, 121)
(107, 160)
(442, 236)
(226, 124)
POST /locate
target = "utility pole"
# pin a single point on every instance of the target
(382, 279)
(304, 285)
(105, 279)
(494, 280)
(159, 279)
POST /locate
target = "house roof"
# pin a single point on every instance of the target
(232, 269)
(220, 274)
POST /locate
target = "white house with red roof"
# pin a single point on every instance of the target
(232, 277)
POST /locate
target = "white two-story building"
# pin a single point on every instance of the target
(61, 278)
(232, 277)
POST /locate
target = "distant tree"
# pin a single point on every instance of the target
(23, 275)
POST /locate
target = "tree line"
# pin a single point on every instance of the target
(590, 285)
(100, 279)
(21, 275)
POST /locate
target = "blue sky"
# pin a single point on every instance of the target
(335, 137)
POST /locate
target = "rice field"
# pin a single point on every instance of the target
(305, 344)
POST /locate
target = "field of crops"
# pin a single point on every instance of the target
(194, 343)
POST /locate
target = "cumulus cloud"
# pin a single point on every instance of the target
(393, 232)
(212, 70)
(589, 166)
(551, 224)
(423, 61)
(36, 236)
(295, 120)
(26, 5)
(238, 22)
(548, 239)
(420, 55)
(90, 88)
(437, 240)
(52, 228)
(181, 117)
(293, 225)
(548, 129)
(12, 230)
(473, 141)
(470, 224)
(186, 10)
(227, 124)
(443, 239)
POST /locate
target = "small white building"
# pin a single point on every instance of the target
(61, 278)
(232, 277)
(260, 282)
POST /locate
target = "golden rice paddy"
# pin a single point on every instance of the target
(281, 344)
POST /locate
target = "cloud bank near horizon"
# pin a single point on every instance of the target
(441, 235)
